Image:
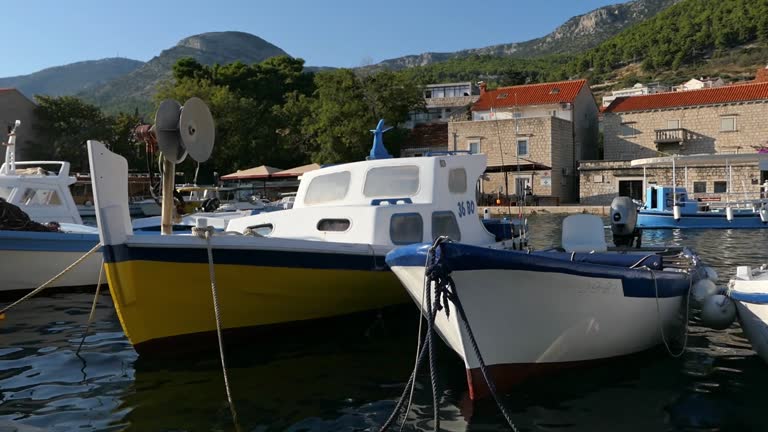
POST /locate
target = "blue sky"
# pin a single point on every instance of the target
(341, 33)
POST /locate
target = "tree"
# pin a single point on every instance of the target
(64, 125)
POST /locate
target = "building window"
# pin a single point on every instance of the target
(721, 187)
(474, 147)
(699, 187)
(554, 113)
(406, 228)
(727, 124)
(522, 147)
(428, 94)
(673, 124)
(628, 129)
(517, 115)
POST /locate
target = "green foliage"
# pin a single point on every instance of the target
(65, 123)
(346, 106)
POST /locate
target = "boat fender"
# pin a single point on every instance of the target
(676, 212)
(729, 213)
(710, 273)
(718, 312)
(763, 215)
(703, 289)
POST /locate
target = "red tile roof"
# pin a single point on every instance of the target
(530, 94)
(710, 96)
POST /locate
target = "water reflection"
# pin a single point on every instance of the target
(346, 377)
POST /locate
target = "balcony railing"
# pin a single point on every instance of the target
(671, 136)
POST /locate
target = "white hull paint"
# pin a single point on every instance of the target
(753, 316)
(24, 270)
(525, 317)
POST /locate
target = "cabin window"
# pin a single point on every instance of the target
(262, 230)
(34, 197)
(727, 124)
(406, 228)
(333, 225)
(392, 181)
(457, 180)
(327, 188)
(474, 147)
(444, 224)
(522, 147)
(721, 187)
(5, 192)
(699, 187)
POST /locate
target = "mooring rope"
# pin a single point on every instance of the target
(437, 277)
(93, 308)
(206, 233)
(50, 281)
(661, 323)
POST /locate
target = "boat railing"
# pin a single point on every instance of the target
(63, 170)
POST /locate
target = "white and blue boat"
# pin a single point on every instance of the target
(532, 313)
(749, 291)
(670, 207)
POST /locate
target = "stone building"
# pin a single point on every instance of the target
(533, 135)
(720, 120)
(15, 106)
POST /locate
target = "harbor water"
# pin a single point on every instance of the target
(346, 376)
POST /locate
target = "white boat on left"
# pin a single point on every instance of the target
(29, 258)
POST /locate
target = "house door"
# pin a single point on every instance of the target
(521, 183)
(631, 188)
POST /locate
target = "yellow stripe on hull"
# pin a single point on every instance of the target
(162, 299)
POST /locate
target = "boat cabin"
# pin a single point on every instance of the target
(659, 198)
(383, 202)
(44, 195)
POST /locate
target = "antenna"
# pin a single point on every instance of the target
(178, 131)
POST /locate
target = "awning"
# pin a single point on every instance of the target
(297, 171)
(260, 172)
(526, 165)
(701, 160)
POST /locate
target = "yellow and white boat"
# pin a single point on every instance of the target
(322, 258)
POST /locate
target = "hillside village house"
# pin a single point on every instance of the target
(533, 135)
(443, 102)
(638, 89)
(15, 106)
(727, 119)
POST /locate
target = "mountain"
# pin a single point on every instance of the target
(136, 88)
(579, 33)
(72, 78)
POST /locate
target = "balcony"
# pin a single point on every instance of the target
(671, 136)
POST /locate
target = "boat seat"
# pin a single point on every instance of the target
(583, 233)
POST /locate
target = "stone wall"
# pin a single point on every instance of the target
(599, 180)
(550, 143)
(702, 122)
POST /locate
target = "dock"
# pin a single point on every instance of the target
(562, 209)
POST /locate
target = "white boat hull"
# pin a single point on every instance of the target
(529, 322)
(753, 316)
(24, 270)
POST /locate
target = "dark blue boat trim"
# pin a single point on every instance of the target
(250, 257)
(47, 241)
(636, 282)
(665, 220)
(753, 298)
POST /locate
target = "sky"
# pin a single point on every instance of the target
(344, 33)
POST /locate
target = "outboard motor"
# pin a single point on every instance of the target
(624, 222)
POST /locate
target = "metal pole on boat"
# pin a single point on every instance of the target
(645, 186)
(166, 218)
(674, 184)
(686, 178)
(10, 150)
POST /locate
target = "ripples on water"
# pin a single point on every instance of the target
(349, 380)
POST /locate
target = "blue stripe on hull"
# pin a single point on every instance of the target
(665, 220)
(458, 257)
(250, 257)
(753, 298)
(47, 241)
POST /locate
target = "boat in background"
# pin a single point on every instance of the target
(323, 258)
(29, 258)
(749, 291)
(668, 207)
(533, 313)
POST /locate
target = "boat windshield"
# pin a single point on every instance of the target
(5, 192)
